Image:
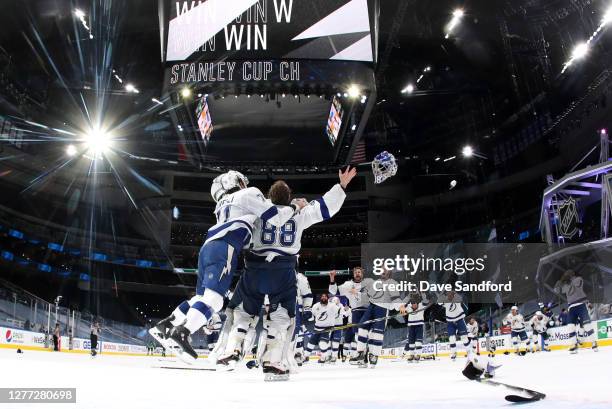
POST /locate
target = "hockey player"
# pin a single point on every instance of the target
(472, 330)
(517, 327)
(571, 286)
(303, 314)
(336, 336)
(270, 269)
(416, 325)
(237, 209)
(357, 301)
(455, 322)
(478, 366)
(324, 313)
(371, 336)
(539, 325)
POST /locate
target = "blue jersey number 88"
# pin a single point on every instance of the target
(284, 236)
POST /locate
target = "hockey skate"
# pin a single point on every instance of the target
(180, 335)
(274, 373)
(161, 331)
(453, 356)
(333, 360)
(410, 358)
(358, 359)
(594, 347)
(417, 358)
(228, 363)
(574, 349)
(373, 360)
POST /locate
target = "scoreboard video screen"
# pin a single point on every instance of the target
(204, 120)
(334, 122)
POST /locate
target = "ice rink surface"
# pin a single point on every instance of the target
(570, 381)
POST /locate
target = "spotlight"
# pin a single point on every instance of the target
(453, 184)
(467, 151)
(98, 141)
(131, 88)
(580, 51)
(185, 92)
(71, 150)
(607, 18)
(353, 91)
(79, 13)
(457, 16)
(437, 159)
(409, 89)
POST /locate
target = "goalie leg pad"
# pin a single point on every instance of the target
(277, 328)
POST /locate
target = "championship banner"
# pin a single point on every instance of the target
(210, 30)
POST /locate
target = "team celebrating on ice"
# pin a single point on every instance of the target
(268, 231)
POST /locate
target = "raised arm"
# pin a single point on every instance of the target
(327, 206)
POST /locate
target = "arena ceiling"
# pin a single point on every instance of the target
(465, 86)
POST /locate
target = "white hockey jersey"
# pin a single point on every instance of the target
(380, 295)
(454, 310)
(304, 294)
(516, 322)
(238, 211)
(343, 312)
(472, 329)
(417, 318)
(352, 291)
(573, 290)
(539, 325)
(325, 315)
(285, 239)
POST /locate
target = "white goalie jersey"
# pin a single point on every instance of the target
(285, 240)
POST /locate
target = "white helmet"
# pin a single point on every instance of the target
(226, 182)
(514, 308)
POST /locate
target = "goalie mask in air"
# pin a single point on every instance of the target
(384, 166)
(226, 182)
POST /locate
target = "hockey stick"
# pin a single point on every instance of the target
(534, 396)
(359, 324)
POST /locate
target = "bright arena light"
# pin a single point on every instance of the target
(409, 89)
(580, 51)
(607, 18)
(457, 16)
(467, 151)
(79, 13)
(131, 88)
(185, 92)
(71, 150)
(98, 142)
(353, 91)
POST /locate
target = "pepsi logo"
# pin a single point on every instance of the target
(9, 335)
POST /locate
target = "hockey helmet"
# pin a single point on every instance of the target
(226, 182)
